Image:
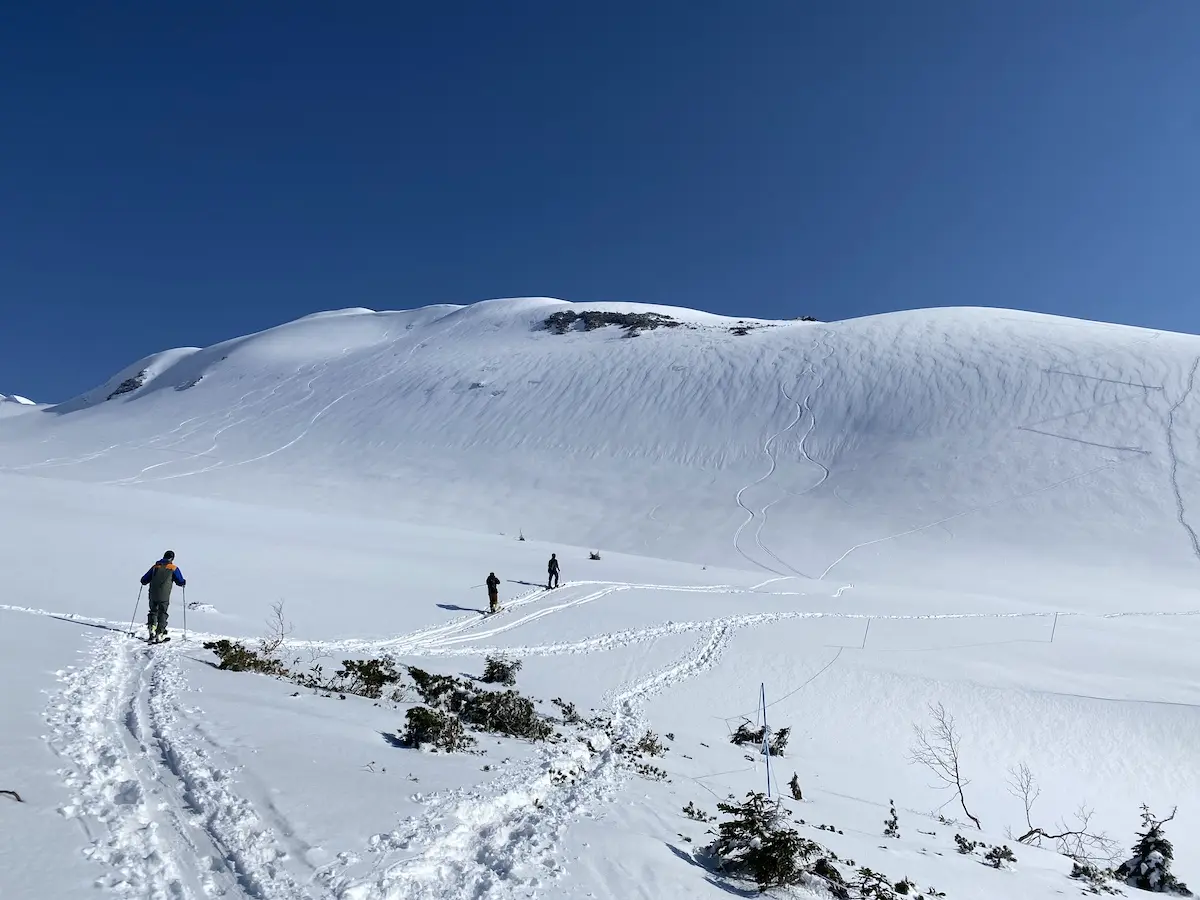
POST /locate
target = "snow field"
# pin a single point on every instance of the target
(986, 509)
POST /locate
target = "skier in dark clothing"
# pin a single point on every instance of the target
(161, 577)
(552, 572)
(493, 586)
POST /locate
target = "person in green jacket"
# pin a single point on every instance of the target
(493, 586)
(161, 577)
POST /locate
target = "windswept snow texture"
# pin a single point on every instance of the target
(992, 510)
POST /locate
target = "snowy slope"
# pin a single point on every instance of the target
(1055, 439)
(983, 508)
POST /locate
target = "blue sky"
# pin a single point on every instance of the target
(177, 174)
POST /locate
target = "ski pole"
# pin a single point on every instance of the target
(135, 609)
(185, 612)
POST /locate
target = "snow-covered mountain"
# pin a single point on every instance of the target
(984, 508)
(1035, 438)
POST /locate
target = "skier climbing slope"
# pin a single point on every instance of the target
(161, 577)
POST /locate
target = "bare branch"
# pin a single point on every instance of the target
(278, 630)
(1075, 840)
(1024, 787)
(937, 749)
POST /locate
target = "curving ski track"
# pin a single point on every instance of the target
(803, 408)
(750, 514)
(1180, 509)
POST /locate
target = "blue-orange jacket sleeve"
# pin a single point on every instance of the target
(179, 577)
(146, 577)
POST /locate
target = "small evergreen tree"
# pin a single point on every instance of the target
(891, 825)
(499, 670)
(1150, 867)
(998, 856)
(755, 843)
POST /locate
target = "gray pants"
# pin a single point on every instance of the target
(157, 621)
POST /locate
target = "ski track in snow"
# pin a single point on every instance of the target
(163, 816)
(801, 409)
(1180, 509)
(805, 407)
(385, 346)
(750, 514)
(162, 819)
(500, 841)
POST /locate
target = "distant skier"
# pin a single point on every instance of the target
(161, 577)
(552, 572)
(493, 586)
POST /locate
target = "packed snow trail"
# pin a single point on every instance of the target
(162, 819)
(501, 840)
(447, 639)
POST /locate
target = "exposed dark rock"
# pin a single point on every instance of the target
(563, 321)
(129, 384)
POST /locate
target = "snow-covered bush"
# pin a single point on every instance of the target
(1150, 867)
(237, 657)
(570, 715)
(747, 735)
(499, 712)
(650, 745)
(439, 730)
(366, 677)
(965, 846)
(1097, 880)
(694, 812)
(498, 670)
(872, 885)
(504, 712)
(438, 690)
(996, 857)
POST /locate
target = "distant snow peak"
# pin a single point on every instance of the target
(16, 398)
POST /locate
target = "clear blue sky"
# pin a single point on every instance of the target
(180, 173)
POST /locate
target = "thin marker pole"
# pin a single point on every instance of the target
(766, 735)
